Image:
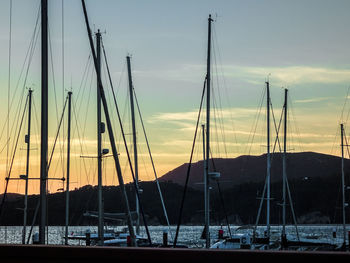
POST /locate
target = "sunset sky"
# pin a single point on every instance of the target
(299, 45)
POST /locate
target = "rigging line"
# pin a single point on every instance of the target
(83, 79)
(57, 134)
(124, 112)
(14, 128)
(33, 222)
(8, 88)
(121, 77)
(341, 120)
(110, 130)
(126, 148)
(76, 128)
(292, 209)
(347, 145)
(217, 128)
(13, 157)
(344, 105)
(277, 133)
(260, 208)
(189, 164)
(253, 131)
(221, 109)
(53, 77)
(216, 121)
(127, 116)
(276, 129)
(80, 140)
(221, 196)
(153, 166)
(225, 89)
(292, 134)
(10, 106)
(347, 117)
(30, 50)
(293, 118)
(142, 156)
(255, 123)
(87, 107)
(16, 123)
(216, 140)
(63, 61)
(3, 148)
(63, 83)
(216, 44)
(55, 95)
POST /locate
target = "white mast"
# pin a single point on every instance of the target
(284, 179)
(268, 179)
(68, 166)
(44, 121)
(131, 88)
(206, 178)
(343, 181)
(27, 140)
(99, 144)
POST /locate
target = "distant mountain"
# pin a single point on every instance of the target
(11, 197)
(252, 169)
(314, 182)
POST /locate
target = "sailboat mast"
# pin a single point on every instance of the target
(284, 165)
(268, 179)
(343, 180)
(110, 130)
(131, 88)
(44, 121)
(99, 144)
(27, 140)
(68, 165)
(206, 179)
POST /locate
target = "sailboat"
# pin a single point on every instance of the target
(336, 244)
(112, 238)
(102, 101)
(101, 236)
(249, 240)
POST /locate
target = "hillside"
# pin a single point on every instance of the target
(314, 180)
(252, 169)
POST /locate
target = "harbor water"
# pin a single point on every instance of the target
(188, 235)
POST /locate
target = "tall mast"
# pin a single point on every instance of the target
(206, 179)
(131, 88)
(44, 121)
(99, 143)
(27, 140)
(284, 165)
(268, 161)
(110, 130)
(68, 165)
(343, 180)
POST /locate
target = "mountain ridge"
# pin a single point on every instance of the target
(248, 168)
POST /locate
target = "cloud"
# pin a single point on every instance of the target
(291, 75)
(193, 115)
(313, 100)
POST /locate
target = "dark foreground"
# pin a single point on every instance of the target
(39, 253)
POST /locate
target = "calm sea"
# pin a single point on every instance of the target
(188, 235)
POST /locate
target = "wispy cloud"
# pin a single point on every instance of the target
(298, 74)
(313, 100)
(192, 115)
(293, 74)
